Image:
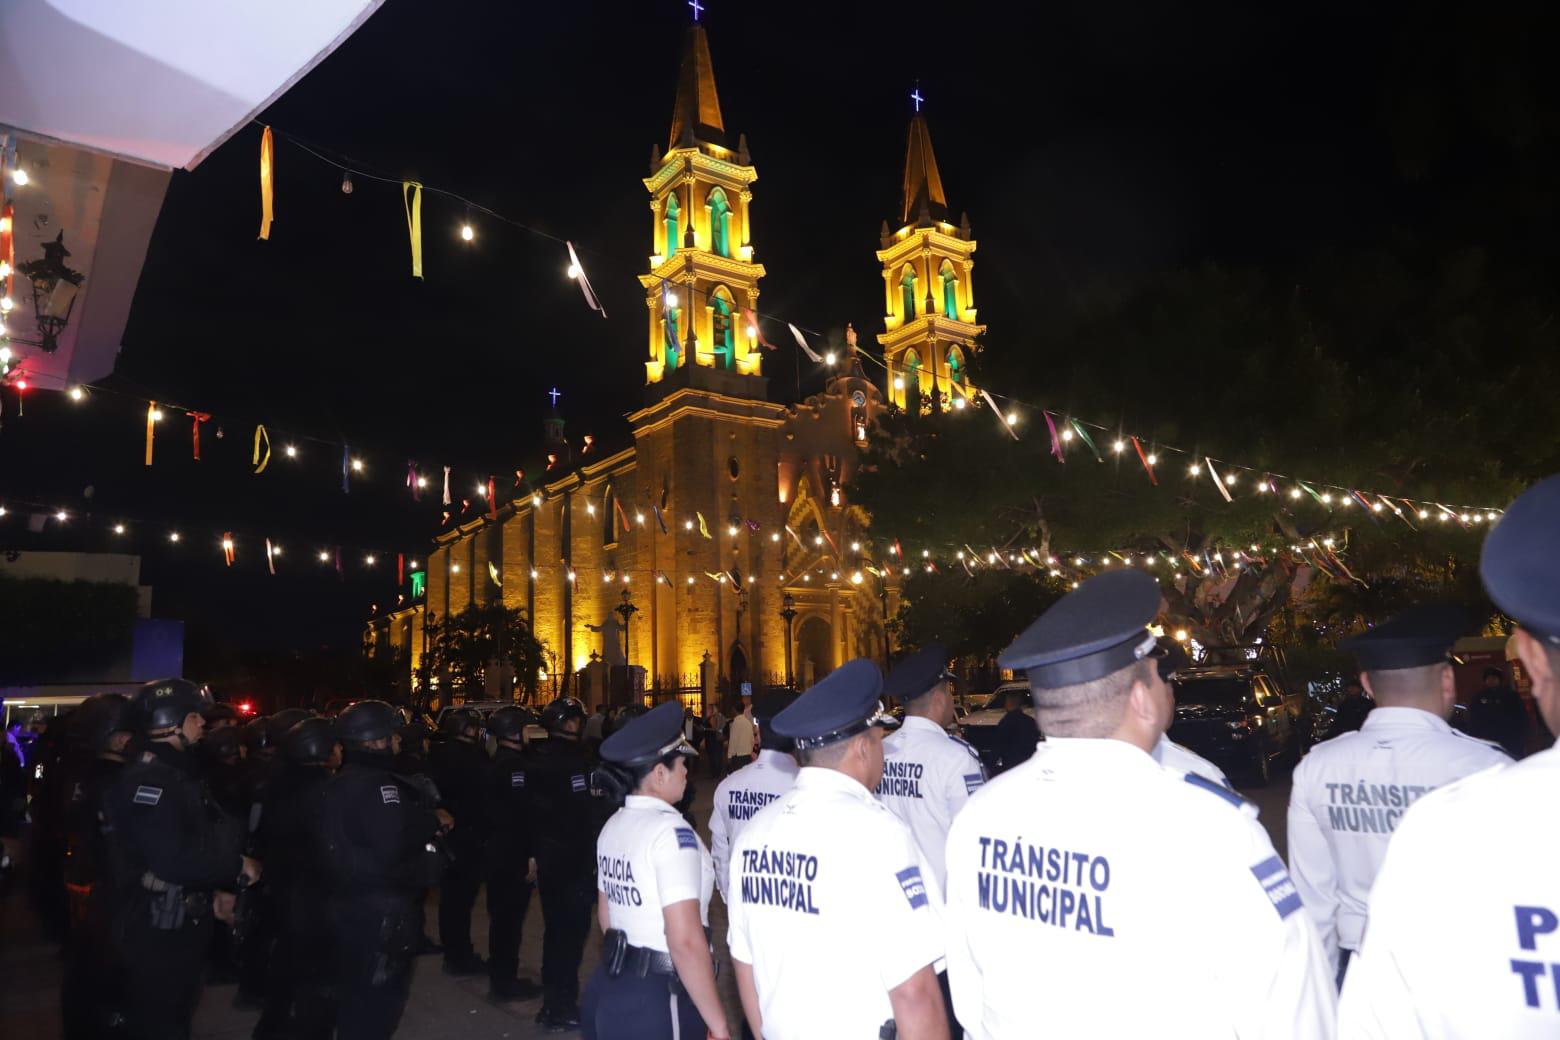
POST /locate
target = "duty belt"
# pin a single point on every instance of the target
(620, 958)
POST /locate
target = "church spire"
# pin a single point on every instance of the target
(923, 194)
(696, 117)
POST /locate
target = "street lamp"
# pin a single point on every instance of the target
(626, 610)
(54, 288)
(788, 612)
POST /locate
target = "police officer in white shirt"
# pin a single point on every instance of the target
(1093, 892)
(742, 794)
(1167, 752)
(833, 929)
(1464, 935)
(656, 979)
(1350, 792)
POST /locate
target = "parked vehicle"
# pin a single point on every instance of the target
(979, 726)
(1238, 717)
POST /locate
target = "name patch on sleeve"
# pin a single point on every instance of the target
(686, 839)
(516, 779)
(972, 781)
(1274, 879)
(148, 795)
(914, 887)
(577, 783)
(390, 794)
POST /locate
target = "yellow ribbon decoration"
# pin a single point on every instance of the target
(151, 424)
(411, 200)
(261, 463)
(267, 173)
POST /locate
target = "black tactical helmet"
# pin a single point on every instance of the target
(509, 723)
(220, 712)
(222, 743)
(557, 714)
(366, 721)
(166, 703)
(624, 717)
(101, 717)
(311, 740)
(414, 738)
(278, 725)
(458, 721)
(257, 736)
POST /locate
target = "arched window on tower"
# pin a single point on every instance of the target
(912, 381)
(673, 232)
(956, 366)
(950, 282)
(720, 223)
(907, 291)
(673, 339)
(723, 329)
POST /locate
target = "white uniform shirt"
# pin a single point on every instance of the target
(1094, 893)
(648, 858)
(1464, 936)
(738, 798)
(1349, 794)
(1174, 756)
(830, 908)
(927, 778)
(743, 736)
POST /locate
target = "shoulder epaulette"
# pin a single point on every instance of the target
(1219, 789)
(966, 745)
(1480, 740)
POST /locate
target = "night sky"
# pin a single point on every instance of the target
(1086, 141)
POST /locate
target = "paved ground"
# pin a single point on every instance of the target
(440, 1005)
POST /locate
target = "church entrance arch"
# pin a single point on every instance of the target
(737, 668)
(814, 651)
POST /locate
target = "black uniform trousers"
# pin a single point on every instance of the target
(508, 896)
(567, 899)
(299, 1000)
(91, 988)
(373, 939)
(631, 1007)
(163, 973)
(457, 897)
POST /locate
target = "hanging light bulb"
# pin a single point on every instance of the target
(357, 465)
(959, 402)
(173, 536)
(1067, 435)
(77, 394)
(292, 451)
(276, 550)
(536, 500)
(1294, 492)
(830, 358)
(422, 482)
(774, 536)
(671, 299)
(752, 332)
(467, 233)
(1152, 459)
(346, 182)
(899, 383)
(1193, 470)
(6, 303)
(1119, 447)
(19, 175)
(61, 516)
(157, 415)
(119, 528)
(325, 556)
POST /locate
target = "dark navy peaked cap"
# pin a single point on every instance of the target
(1097, 629)
(649, 737)
(1521, 561)
(846, 702)
(1419, 636)
(918, 674)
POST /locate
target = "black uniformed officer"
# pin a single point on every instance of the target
(1017, 735)
(378, 832)
(656, 978)
(171, 849)
(558, 777)
(510, 866)
(459, 769)
(91, 992)
(411, 762)
(256, 927)
(298, 1001)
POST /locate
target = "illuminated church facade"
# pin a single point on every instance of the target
(727, 509)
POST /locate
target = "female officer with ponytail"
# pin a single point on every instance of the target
(656, 980)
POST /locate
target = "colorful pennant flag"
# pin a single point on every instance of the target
(1218, 481)
(577, 272)
(411, 201)
(267, 179)
(801, 341)
(262, 441)
(1056, 442)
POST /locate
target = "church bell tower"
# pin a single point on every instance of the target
(702, 280)
(930, 332)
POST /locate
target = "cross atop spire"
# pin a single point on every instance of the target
(915, 95)
(698, 8)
